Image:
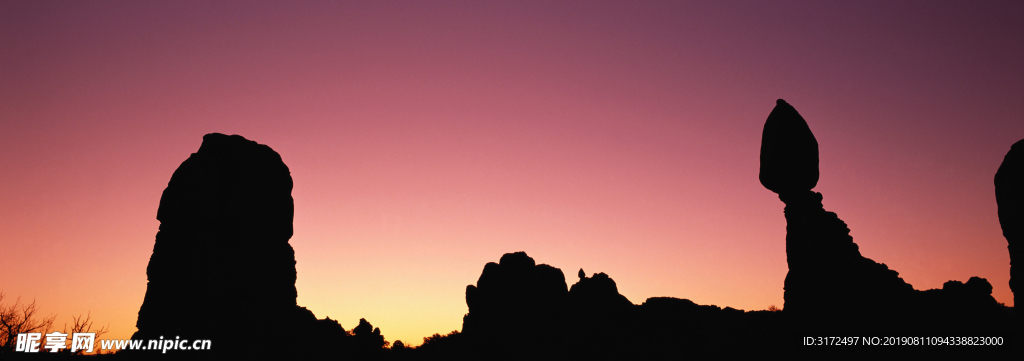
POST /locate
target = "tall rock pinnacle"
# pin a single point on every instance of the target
(222, 265)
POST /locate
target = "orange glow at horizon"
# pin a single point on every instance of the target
(426, 139)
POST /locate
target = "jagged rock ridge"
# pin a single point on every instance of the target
(521, 310)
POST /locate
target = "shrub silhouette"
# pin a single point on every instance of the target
(20, 318)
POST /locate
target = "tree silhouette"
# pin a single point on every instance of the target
(367, 337)
(84, 325)
(438, 338)
(20, 318)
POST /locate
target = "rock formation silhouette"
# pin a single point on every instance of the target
(1009, 182)
(789, 152)
(594, 305)
(598, 293)
(515, 307)
(521, 310)
(830, 286)
(222, 267)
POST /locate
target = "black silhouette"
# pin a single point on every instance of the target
(222, 267)
(1010, 200)
(515, 308)
(521, 310)
(444, 347)
(827, 277)
(831, 287)
(19, 318)
(368, 337)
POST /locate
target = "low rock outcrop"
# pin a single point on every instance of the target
(515, 306)
(521, 310)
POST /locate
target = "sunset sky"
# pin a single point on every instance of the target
(426, 139)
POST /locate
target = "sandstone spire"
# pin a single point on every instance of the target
(222, 265)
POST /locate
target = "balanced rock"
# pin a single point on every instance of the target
(830, 285)
(789, 152)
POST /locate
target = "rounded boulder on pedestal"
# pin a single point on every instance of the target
(789, 152)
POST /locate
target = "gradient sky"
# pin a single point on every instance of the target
(426, 139)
